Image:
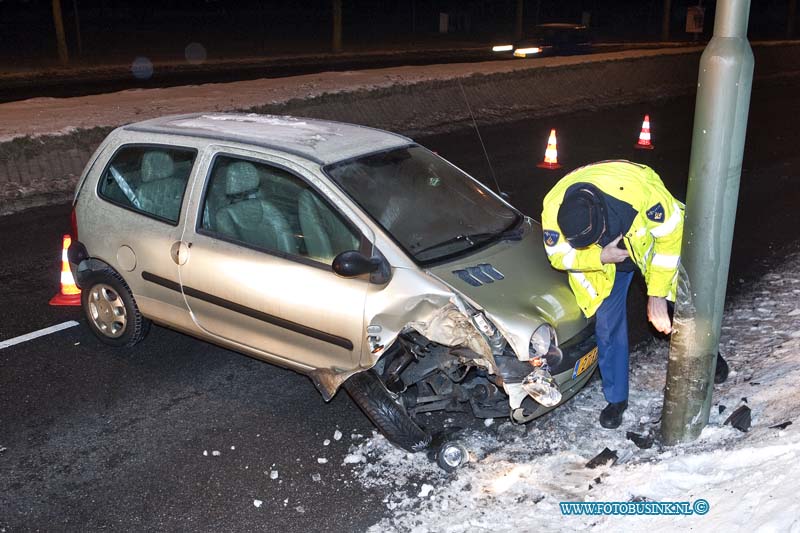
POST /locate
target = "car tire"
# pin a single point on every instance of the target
(110, 310)
(390, 417)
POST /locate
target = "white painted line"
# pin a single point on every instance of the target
(37, 334)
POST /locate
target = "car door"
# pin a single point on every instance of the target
(258, 269)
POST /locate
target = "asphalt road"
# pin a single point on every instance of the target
(94, 438)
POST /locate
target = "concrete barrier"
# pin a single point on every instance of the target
(38, 167)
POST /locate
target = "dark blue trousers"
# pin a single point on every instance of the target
(611, 329)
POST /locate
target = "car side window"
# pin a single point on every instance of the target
(148, 179)
(272, 209)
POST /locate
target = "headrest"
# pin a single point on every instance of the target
(241, 177)
(156, 165)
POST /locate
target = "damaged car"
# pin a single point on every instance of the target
(352, 255)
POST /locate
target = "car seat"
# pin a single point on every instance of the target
(324, 233)
(250, 219)
(160, 193)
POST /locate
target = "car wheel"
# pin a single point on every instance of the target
(111, 311)
(390, 417)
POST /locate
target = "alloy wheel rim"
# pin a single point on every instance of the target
(107, 311)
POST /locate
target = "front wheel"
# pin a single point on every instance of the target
(111, 311)
(390, 417)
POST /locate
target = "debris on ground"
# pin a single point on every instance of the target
(740, 419)
(602, 458)
(642, 441)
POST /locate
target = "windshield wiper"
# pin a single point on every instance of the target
(473, 239)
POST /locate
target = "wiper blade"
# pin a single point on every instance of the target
(473, 239)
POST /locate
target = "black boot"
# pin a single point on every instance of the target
(721, 372)
(611, 415)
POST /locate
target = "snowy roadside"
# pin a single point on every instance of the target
(516, 480)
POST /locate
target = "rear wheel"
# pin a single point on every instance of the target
(111, 311)
(389, 416)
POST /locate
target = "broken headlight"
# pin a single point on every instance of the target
(544, 345)
(542, 340)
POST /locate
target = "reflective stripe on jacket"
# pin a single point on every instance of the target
(653, 240)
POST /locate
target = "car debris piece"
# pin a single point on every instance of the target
(451, 455)
(782, 425)
(541, 386)
(740, 419)
(602, 458)
(643, 441)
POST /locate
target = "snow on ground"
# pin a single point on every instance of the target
(517, 478)
(56, 116)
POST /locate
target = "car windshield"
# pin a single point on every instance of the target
(431, 208)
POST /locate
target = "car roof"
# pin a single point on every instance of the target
(322, 141)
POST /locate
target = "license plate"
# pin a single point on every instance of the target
(584, 363)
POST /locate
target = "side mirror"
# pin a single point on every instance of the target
(351, 263)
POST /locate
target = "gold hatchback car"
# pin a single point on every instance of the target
(351, 255)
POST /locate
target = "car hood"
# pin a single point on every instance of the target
(513, 282)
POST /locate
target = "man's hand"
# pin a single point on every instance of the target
(658, 315)
(612, 254)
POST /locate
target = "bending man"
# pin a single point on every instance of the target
(603, 222)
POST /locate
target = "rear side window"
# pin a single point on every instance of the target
(148, 179)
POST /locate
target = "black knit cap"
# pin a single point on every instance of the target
(582, 214)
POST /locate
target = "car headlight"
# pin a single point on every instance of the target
(502, 48)
(544, 344)
(525, 52)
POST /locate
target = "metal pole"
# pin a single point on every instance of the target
(518, 23)
(791, 16)
(337, 26)
(665, 21)
(715, 167)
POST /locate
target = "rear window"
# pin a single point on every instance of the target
(148, 179)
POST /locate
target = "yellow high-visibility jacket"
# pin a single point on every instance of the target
(653, 240)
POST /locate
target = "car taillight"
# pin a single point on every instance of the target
(73, 222)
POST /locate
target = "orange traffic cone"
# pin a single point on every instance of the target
(644, 137)
(551, 154)
(70, 294)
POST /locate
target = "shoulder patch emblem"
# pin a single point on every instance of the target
(656, 213)
(550, 237)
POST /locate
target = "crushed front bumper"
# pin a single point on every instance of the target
(571, 374)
